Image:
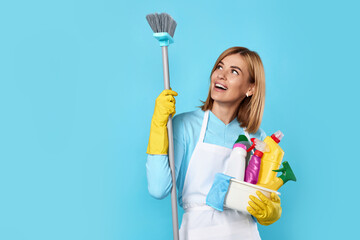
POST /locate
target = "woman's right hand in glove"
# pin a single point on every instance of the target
(164, 106)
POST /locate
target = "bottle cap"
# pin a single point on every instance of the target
(277, 136)
(239, 145)
(258, 153)
(242, 138)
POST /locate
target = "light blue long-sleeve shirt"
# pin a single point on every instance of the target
(186, 127)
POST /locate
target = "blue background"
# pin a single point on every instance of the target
(78, 81)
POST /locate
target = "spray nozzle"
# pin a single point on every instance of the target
(287, 173)
(259, 145)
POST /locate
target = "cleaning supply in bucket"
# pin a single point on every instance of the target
(253, 168)
(271, 160)
(270, 163)
(237, 161)
(287, 175)
(229, 192)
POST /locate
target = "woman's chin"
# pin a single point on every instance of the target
(216, 96)
(218, 99)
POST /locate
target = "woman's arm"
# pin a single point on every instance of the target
(157, 166)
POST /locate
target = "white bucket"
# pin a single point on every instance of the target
(238, 194)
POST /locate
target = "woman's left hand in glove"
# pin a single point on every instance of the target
(266, 211)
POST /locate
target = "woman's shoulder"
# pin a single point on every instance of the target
(190, 117)
(259, 134)
(189, 121)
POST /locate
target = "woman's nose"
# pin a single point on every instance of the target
(221, 76)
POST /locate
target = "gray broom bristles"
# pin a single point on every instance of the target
(161, 23)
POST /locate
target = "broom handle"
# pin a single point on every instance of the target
(171, 148)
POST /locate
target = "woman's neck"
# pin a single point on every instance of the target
(224, 112)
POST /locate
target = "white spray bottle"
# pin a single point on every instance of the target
(237, 161)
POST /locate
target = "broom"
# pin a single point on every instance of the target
(164, 27)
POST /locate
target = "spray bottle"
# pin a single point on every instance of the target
(237, 161)
(287, 175)
(252, 170)
(271, 162)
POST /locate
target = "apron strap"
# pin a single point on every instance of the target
(204, 126)
(248, 136)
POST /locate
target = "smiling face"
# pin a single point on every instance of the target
(230, 81)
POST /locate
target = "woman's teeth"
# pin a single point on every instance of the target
(220, 86)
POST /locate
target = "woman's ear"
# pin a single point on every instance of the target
(251, 90)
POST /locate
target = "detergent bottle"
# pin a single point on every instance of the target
(252, 170)
(271, 162)
(236, 164)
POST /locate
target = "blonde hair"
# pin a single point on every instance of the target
(251, 109)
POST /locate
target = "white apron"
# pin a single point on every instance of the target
(201, 222)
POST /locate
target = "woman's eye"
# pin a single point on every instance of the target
(235, 72)
(219, 67)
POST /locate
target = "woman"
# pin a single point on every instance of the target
(203, 142)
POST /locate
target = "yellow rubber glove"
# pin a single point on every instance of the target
(164, 106)
(267, 211)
